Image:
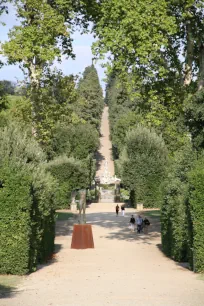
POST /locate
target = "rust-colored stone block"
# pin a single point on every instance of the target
(82, 237)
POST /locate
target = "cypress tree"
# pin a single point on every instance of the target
(90, 97)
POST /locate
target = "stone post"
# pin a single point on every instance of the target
(73, 203)
(139, 206)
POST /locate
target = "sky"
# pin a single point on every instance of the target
(81, 46)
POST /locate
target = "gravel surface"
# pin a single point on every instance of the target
(124, 269)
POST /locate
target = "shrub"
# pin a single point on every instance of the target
(142, 165)
(174, 211)
(27, 203)
(174, 223)
(76, 141)
(15, 229)
(43, 214)
(196, 206)
(71, 174)
(18, 144)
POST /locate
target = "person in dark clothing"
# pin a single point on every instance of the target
(123, 210)
(146, 225)
(132, 223)
(117, 209)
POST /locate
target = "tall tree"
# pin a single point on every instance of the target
(44, 34)
(90, 96)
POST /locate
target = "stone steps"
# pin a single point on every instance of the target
(108, 200)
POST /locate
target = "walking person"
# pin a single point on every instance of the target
(132, 223)
(117, 209)
(139, 222)
(123, 210)
(146, 225)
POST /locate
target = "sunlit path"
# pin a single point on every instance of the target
(124, 269)
(105, 152)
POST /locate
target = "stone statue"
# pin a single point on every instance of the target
(82, 206)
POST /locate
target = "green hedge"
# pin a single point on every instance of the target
(27, 221)
(15, 227)
(142, 166)
(196, 205)
(43, 214)
(174, 223)
(182, 213)
(71, 174)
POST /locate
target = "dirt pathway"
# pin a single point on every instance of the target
(105, 152)
(124, 269)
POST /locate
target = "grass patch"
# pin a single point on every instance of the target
(152, 213)
(63, 216)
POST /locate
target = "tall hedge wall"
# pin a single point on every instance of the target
(142, 165)
(43, 214)
(174, 221)
(15, 229)
(27, 219)
(182, 212)
(196, 205)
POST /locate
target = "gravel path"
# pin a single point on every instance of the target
(124, 269)
(105, 152)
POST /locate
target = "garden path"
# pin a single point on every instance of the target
(105, 151)
(124, 269)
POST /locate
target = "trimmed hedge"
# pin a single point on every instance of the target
(27, 221)
(182, 213)
(27, 203)
(142, 166)
(70, 174)
(196, 205)
(15, 227)
(174, 210)
(43, 214)
(174, 222)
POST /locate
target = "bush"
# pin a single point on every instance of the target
(76, 141)
(196, 206)
(15, 230)
(18, 144)
(27, 203)
(175, 209)
(71, 174)
(43, 214)
(142, 165)
(174, 222)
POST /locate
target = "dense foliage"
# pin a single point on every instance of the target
(15, 230)
(174, 212)
(27, 203)
(156, 79)
(155, 65)
(196, 207)
(90, 97)
(70, 174)
(142, 165)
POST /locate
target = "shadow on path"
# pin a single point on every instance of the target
(7, 292)
(99, 159)
(119, 227)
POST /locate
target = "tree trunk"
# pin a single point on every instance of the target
(189, 55)
(201, 67)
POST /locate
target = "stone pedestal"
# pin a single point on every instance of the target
(74, 207)
(139, 206)
(82, 237)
